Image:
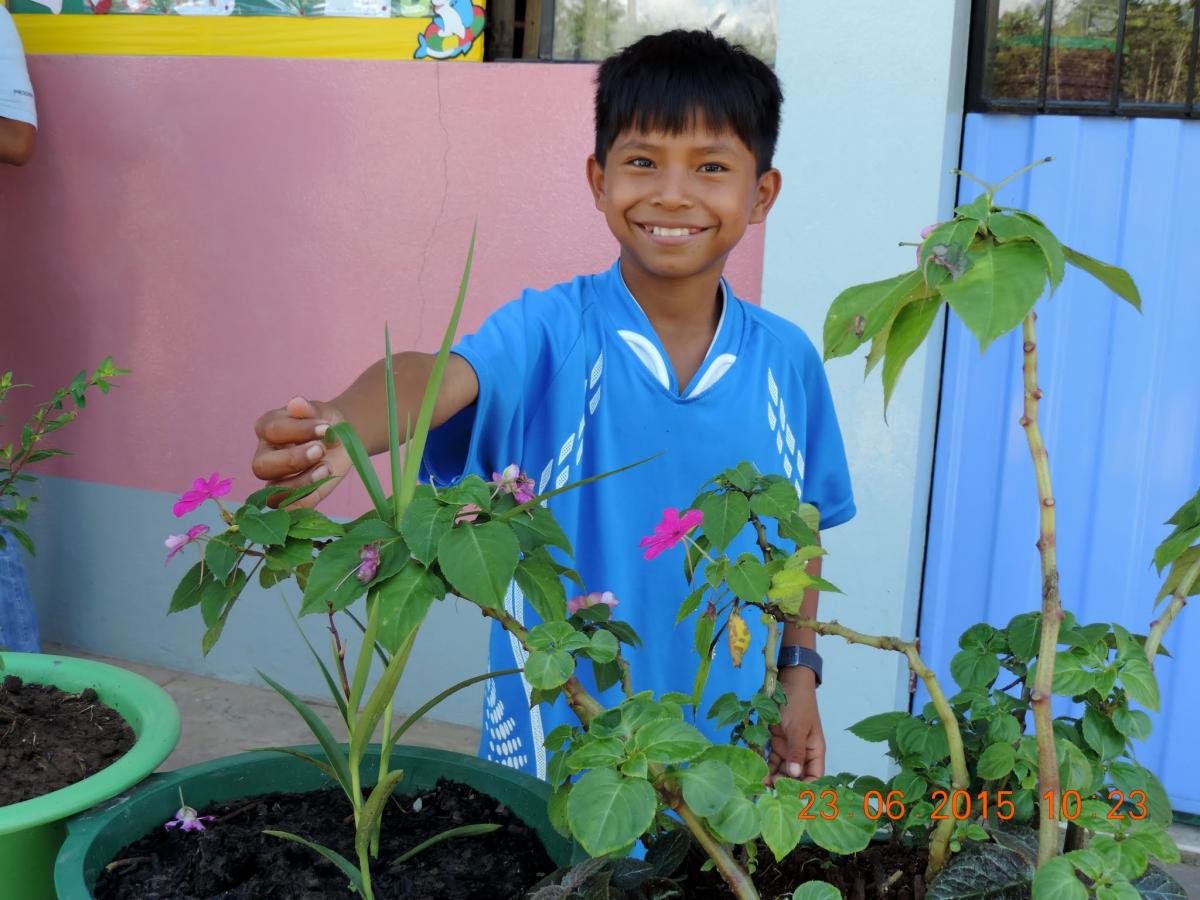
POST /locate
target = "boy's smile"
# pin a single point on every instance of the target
(679, 203)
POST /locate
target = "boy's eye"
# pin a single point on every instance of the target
(712, 167)
(641, 162)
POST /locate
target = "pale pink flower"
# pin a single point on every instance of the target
(468, 513)
(925, 232)
(513, 481)
(368, 563)
(670, 531)
(575, 604)
(186, 819)
(202, 489)
(176, 542)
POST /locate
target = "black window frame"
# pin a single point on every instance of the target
(984, 15)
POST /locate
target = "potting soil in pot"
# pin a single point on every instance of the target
(234, 860)
(50, 739)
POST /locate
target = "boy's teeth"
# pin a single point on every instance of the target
(669, 232)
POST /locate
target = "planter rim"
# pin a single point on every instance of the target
(146, 707)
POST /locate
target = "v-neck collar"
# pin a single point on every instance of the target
(636, 331)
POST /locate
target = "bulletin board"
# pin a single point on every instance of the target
(344, 29)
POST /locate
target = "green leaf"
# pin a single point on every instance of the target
(996, 762)
(781, 825)
(366, 471)
(1070, 676)
(748, 768)
(1172, 548)
(311, 760)
(1173, 583)
(1055, 880)
(423, 524)
(974, 668)
(1075, 771)
(909, 331)
(1102, 735)
(372, 810)
(670, 741)
(603, 647)
(539, 582)
(333, 579)
(1024, 635)
(1004, 729)
(268, 528)
(1139, 682)
(333, 752)
(222, 553)
(547, 669)
(606, 810)
(309, 523)
(1018, 227)
(749, 579)
(979, 209)
(690, 603)
(778, 501)
(537, 527)
(191, 588)
(706, 786)
(859, 312)
(1115, 279)
(404, 600)
(816, 890)
(879, 727)
(479, 561)
(596, 753)
(295, 552)
(347, 867)
(982, 872)
(457, 832)
(999, 290)
(724, 516)
(737, 822)
(1133, 723)
(847, 832)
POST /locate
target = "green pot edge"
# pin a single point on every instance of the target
(125, 818)
(148, 709)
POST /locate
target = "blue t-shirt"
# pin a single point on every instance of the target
(573, 381)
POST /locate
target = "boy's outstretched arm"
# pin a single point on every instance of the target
(798, 741)
(291, 452)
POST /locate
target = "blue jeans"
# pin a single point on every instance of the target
(18, 621)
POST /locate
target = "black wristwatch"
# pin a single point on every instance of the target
(794, 655)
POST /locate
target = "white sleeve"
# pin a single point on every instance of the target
(16, 92)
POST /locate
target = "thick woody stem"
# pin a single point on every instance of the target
(1052, 614)
(1178, 601)
(940, 839)
(586, 708)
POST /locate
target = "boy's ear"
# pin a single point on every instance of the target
(595, 177)
(767, 192)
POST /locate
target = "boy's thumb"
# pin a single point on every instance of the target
(299, 408)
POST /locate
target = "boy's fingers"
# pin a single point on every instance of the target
(300, 408)
(278, 428)
(272, 463)
(309, 500)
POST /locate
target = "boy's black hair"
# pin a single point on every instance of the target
(663, 82)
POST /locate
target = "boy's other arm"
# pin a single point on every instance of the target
(290, 451)
(16, 141)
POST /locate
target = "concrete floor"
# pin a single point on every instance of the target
(221, 718)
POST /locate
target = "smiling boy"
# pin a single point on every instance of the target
(654, 356)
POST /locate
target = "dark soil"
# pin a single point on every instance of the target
(50, 739)
(888, 871)
(232, 859)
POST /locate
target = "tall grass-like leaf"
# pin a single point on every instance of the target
(362, 464)
(541, 498)
(311, 760)
(412, 720)
(460, 831)
(362, 668)
(393, 430)
(372, 810)
(320, 731)
(415, 452)
(380, 697)
(334, 691)
(348, 868)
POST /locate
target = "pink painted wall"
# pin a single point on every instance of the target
(237, 231)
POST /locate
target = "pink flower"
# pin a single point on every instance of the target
(202, 489)
(176, 542)
(368, 563)
(925, 232)
(187, 820)
(468, 513)
(670, 530)
(575, 604)
(513, 481)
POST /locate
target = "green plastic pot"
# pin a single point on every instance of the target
(95, 838)
(32, 831)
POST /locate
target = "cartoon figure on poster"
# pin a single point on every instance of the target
(455, 26)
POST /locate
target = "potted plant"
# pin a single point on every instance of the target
(72, 732)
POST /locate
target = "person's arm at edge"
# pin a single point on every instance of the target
(17, 141)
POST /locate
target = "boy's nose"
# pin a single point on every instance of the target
(673, 190)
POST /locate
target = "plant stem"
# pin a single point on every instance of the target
(959, 777)
(1052, 614)
(339, 650)
(1178, 601)
(735, 876)
(385, 754)
(771, 650)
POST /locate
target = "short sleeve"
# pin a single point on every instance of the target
(826, 475)
(16, 91)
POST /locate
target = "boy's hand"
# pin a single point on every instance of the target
(292, 453)
(798, 742)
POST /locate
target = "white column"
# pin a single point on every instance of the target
(871, 124)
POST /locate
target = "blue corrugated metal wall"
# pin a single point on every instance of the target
(1121, 417)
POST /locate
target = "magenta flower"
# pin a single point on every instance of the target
(575, 604)
(670, 530)
(186, 819)
(468, 513)
(513, 481)
(368, 563)
(176, 542)
(202, 489)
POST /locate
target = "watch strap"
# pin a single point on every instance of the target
(791, 655)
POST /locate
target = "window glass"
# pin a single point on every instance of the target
(594, 29)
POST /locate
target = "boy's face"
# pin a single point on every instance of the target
(677, 204)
